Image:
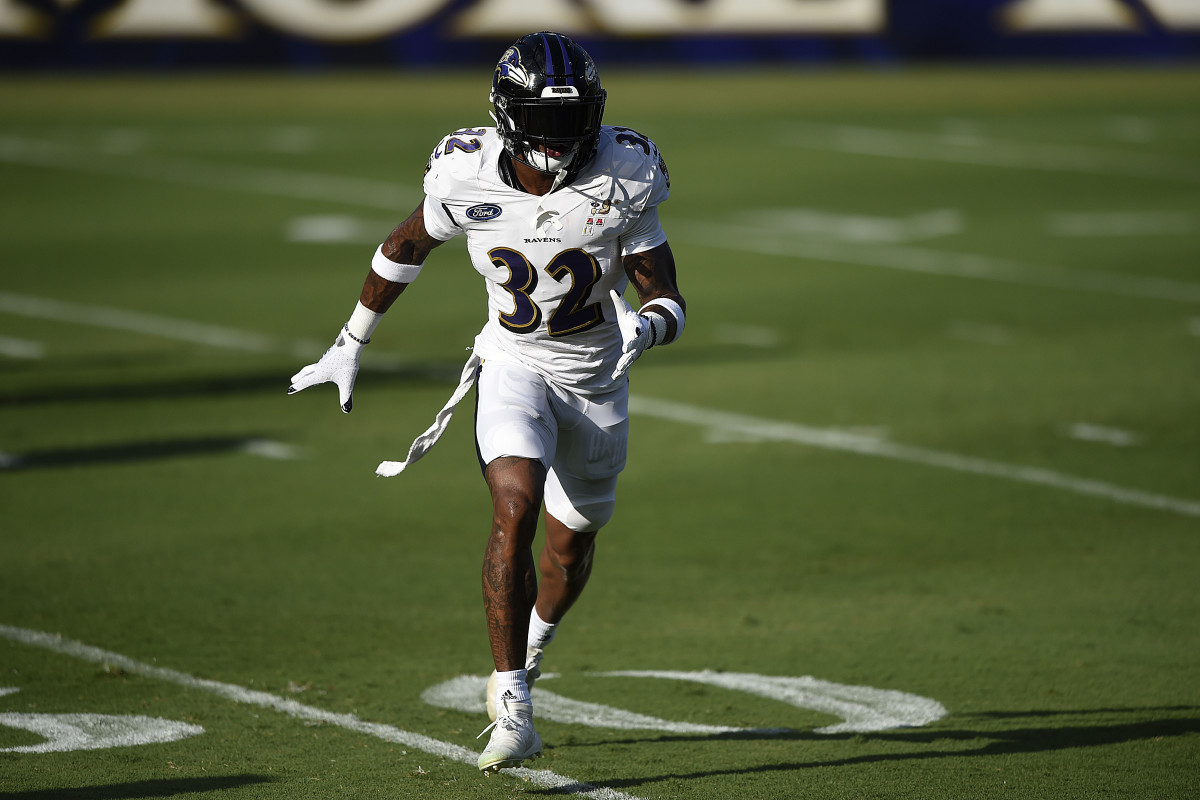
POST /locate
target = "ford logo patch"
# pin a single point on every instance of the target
(483, 211)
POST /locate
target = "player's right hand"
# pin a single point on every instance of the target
(339, 365)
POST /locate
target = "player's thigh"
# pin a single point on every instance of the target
(581, 488)
(513, 415)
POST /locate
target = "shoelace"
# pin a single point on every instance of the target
(499, 718)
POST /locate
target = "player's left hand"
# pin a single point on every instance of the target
(635, 332)
(339, 365)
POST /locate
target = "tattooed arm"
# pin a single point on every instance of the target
(660, 319)
(395, 265)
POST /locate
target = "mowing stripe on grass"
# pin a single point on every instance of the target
(981, 151)
(830, 439)
(287, 183)
(771, 241)
(238, 694)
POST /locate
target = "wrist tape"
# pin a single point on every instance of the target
(362, 324)
(666, 320)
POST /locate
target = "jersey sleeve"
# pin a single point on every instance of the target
(438, 222)
(438, 185)
(660, 184)
(647, 231)
(644, 234)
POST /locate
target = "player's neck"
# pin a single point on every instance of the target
(530, 179)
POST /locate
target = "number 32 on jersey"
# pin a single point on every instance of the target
(570, 315)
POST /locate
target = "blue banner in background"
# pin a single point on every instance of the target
(123, 34)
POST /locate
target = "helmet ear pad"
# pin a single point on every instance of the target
(546, 98)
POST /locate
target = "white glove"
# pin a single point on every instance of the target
(635, 334)
(339, 365)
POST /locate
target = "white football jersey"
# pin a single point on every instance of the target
(550, 261)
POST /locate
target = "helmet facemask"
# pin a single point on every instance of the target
(548, 111)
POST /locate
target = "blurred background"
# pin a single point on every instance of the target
(321, 34)
(934, 426)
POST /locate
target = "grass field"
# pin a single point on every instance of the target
(934, 428)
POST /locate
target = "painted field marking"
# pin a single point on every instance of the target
(1108, 224)
(268, 448)
(862, 709)
(1105, 435)
(980, 151)
(294, 184)
(335, 229)
(199, 333)
(908, 258)
(466, 693)
(21, 348)
(136, 322)
(390, 196)
(65, 733)
(238, 694)
(829, 439)
(725, 426)
(861, 227)
(1193, 326)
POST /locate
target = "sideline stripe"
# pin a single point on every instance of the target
(935, 262)
(829, 439)
(977, 150)
(212, 175)
(238, 694)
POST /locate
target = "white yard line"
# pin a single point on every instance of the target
(1108, 224)
(778, 431)
(238, 694)
(1087, 432)
(768, 241)
(212, 175)
(721, 425)
(396, 197)
(982, 151)
(21, 348)
(136, 322)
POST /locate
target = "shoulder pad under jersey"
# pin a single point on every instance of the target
(635, 161)
(465, 156)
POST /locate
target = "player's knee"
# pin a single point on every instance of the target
(514, 514)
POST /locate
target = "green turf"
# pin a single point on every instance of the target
(1057, 628)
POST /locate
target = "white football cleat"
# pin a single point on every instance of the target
(533, 660)
(513, 739)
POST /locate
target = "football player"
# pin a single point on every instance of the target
(560, 214)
